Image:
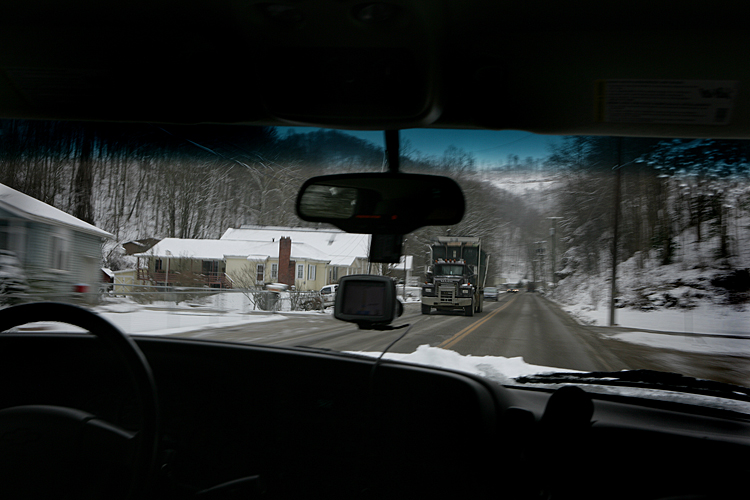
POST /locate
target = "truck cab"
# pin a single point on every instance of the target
(454, 286)
(456, 280)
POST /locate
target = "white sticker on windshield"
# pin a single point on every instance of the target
(690, 102)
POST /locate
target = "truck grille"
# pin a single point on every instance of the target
(446, 293)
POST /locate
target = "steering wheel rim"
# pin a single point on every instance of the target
(130, 355)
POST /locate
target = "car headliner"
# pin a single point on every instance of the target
(525, 65)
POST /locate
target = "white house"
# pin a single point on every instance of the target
(58, 251)
(252, 255)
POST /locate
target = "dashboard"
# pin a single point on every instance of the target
(293, 422)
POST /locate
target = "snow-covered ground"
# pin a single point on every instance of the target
(709, 329)
(706, 329)
(170, 318)
(677, 299)
(718, 325)
(706, 319)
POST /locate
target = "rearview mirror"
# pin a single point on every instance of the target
(381, 203)
(367, 300)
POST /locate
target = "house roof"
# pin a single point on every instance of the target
(221, 249)
(138, 246)
(300, 251)
(26, 207)
(198, 249)
(337, 246)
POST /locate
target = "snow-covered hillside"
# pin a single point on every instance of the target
(703, 285)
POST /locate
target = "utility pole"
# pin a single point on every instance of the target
(404, 287)
(553, 235)
(615, 243)
(540, 252)
(166, 279)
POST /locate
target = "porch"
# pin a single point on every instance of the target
(212, 279)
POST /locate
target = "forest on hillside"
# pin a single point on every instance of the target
(156, 181)
(683, 204)
(159, 181)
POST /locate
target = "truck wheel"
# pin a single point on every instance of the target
(469, 310)
(426, 309)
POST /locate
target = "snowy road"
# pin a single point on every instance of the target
(524, 325)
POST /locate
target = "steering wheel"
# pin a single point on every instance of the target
(49, 450)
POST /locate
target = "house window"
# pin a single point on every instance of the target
(311, 272)
(260, 269)
(158, 265)
(210, 267)
(13, 238)
(58, 253)
(333, 274)
(300, 271)
(274, 271)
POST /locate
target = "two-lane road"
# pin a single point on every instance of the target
(525, 325)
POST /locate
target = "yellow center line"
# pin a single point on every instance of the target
(463, 333)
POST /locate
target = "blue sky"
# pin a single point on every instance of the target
(487, 146)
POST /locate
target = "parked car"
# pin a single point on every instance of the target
(328, 295)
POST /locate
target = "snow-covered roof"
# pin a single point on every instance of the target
(339, 247)
(198, 249)
(300, 251)
(221, 249)
(27, 207)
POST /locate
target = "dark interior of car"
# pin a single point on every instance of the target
(291, 423)
(162, 417)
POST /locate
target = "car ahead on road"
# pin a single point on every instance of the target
(403, 120)
(328, 295)
(491, 293)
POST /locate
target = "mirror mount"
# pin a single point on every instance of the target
(393, 150)
(386, 248)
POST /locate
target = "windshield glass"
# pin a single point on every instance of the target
(626, 253)
(449, 270)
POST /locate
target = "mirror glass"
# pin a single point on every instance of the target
(322, 200)
(381, 203)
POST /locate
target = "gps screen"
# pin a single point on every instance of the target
(365, 299)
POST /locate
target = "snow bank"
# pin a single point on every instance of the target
(497, 368)
(707, 319)
(689, 343)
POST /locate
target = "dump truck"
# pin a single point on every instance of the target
(456, 276)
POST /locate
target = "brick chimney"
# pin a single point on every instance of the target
(286, 272)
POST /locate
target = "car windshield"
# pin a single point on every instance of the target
(627, 253)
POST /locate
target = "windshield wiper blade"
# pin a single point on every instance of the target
(647, 379)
